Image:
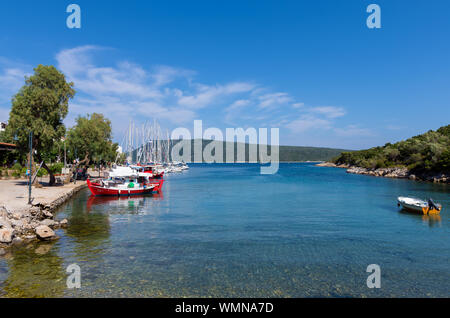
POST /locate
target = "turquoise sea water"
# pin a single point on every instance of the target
(227, 231)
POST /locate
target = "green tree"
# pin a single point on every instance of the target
(426, 153)
(91, 139)
(40, 107)
(3, 136)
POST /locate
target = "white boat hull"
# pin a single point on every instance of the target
(416, 205)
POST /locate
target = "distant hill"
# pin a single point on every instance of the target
(297, 153)
(422, 154)
(287, 153)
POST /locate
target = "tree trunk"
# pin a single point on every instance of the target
(50, 173)
(85, 161)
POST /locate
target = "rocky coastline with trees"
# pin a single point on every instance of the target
(36, 127)
(425, 157)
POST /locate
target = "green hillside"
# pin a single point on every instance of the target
(295, 153)
(426, 153)
(287, 153)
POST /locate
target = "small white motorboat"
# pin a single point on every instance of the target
(419, 206)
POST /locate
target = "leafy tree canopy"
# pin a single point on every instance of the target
(429, 152)
(91, 139)
(40, 106)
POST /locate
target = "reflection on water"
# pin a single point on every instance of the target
(89, 232)
(133, 204)
(430, 220)
(227, 231)
(35, 271)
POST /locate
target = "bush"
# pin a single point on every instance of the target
(42, 172)
(17, 167)
(16, 174)
(57, 167)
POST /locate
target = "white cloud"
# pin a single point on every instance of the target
(206, 95)
(124, 90)
(238, 104)
(329, 111)
(12, 78)
(124, 79)
(164, 74)
(308, 122)
(127, 89)
(275, 99)
(298, 105)
(316, 120)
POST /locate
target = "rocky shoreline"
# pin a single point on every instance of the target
(36, 223)
(401, 173)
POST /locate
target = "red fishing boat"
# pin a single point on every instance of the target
(125, 181)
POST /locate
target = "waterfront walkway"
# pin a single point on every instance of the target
(14, 194)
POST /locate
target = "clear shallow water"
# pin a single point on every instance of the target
(227, 231)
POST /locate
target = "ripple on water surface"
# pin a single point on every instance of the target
(227, 231)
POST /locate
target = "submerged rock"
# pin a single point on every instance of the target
(43, 232)
(17, 240)
(43, 249)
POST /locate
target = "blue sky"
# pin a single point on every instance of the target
(311, 68)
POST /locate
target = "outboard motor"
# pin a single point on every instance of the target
(431, 204)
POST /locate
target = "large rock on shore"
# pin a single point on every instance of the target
(400, 173)
(3, 212)
(381, 172)
(18, 223)
(330, 164)
(440, 178)
(4, 223)
(6, 235)
(325, 164)
(43, 232)
(49, 223)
